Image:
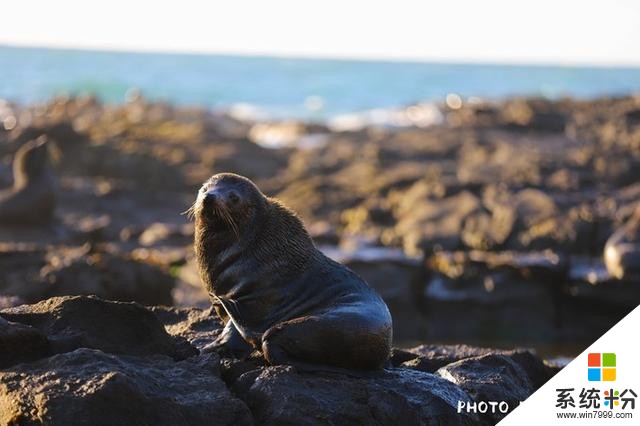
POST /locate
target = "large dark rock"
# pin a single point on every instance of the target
(425, 225)
(496, 161)
(430, 358)
(486, 375)
(491, 377)
(534, 115)
(20, 342)
(280, 395)
(90, 387)
(62, 133)
(508, 295)
(88, 322)
(199, 326)
(489, 230)
(107, 275)
(35, 272)
(71, 360)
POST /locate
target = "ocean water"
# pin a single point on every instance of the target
(285, 87)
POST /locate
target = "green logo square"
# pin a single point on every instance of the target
(608, 360)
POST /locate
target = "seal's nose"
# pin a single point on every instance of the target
(210, 197)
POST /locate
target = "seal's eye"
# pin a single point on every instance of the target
(233, 197)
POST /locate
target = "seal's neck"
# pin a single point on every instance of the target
(283, 236)
(275, 239)
(211, 244)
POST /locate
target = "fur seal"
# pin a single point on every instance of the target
(622, 250)
(32, 199)
(276, 291)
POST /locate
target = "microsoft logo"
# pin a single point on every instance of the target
(602, 367)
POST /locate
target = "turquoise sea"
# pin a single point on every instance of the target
(285, 87)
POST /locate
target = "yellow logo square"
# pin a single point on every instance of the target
(608, 374)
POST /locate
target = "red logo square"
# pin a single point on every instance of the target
(594, 360)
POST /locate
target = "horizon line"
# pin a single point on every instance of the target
(323, 56)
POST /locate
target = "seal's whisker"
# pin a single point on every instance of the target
(232, 222)
(190, 212)
(229, 219)
(222, 212)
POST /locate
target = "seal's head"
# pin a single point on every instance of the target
(31, 161)
(227, 202)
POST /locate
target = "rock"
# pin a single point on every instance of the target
(505, 295)
(139, 168)
(166, 234)
(498, 161)
(487, 231)
(564, 180)
(484, 374)
(534, 114)
(20, 343)
(90, 386)
(35, 272)
(19, 268)
(429, 358)
(622, 251)
(88, 322)
(434, 223)
(323, 233)
(113, 362)
(533, 220)
(244, 157)
(279, 395)
(62, 133)
(490, 377)
(112, 276)
(533, 206)
(199, 326)
(93, 229)
(545, 264)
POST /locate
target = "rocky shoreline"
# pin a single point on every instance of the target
(77, 359)
(495, 217)
(487, 229)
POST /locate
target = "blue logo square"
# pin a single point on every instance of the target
(594, 375)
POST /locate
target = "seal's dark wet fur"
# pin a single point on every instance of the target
(275, 290)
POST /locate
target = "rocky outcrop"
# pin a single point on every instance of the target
(35, 272)
(90, 386)
(76, 322)
(500, 215)
(519, 176)
(20, 343)
(280, 395)
(72, 360)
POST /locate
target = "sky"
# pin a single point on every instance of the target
(571, 32)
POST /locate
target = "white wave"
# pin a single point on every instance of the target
(423, 114)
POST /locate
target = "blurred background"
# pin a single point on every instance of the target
(470, 160)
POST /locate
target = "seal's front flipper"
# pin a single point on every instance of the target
(230, 344)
